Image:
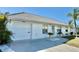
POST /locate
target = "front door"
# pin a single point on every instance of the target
(20, 30)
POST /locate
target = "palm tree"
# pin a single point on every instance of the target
(4, 32)
(74, 16)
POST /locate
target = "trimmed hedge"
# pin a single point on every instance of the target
(69, 37)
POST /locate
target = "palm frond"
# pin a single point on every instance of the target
(70, 22)
(69, 14)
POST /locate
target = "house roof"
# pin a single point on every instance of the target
(33, 18)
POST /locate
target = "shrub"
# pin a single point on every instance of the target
(71, 33)
(50, 33)
(69, 37)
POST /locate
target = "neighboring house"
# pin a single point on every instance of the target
(29, 26)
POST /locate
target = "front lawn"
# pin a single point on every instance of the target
(74, 42)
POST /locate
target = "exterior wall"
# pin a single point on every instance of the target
(50, 30)
(37, 31)
(31, 31)
(56, 27)
(64, 30)
(69, 30)
(26, 30)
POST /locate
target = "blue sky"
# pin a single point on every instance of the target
(57, 13)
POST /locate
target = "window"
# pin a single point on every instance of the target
(45, 29)
(59, 31)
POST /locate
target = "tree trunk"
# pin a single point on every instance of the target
(75, 28)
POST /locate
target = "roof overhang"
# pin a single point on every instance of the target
(26, 17)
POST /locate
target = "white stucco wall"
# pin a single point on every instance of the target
(30, 30)
(23, 30)
(37, 31)
(56, 27)
(64, 30)
(50, 29)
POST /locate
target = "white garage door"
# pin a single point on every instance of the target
(21, 30)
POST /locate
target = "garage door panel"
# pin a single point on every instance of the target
(21, 31)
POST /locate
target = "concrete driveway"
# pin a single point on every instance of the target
(35, 45)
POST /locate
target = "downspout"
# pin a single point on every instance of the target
(31, 32)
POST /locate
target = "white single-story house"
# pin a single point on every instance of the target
(29, 26)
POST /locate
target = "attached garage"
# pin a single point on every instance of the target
(26, 30)
(27, 26)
